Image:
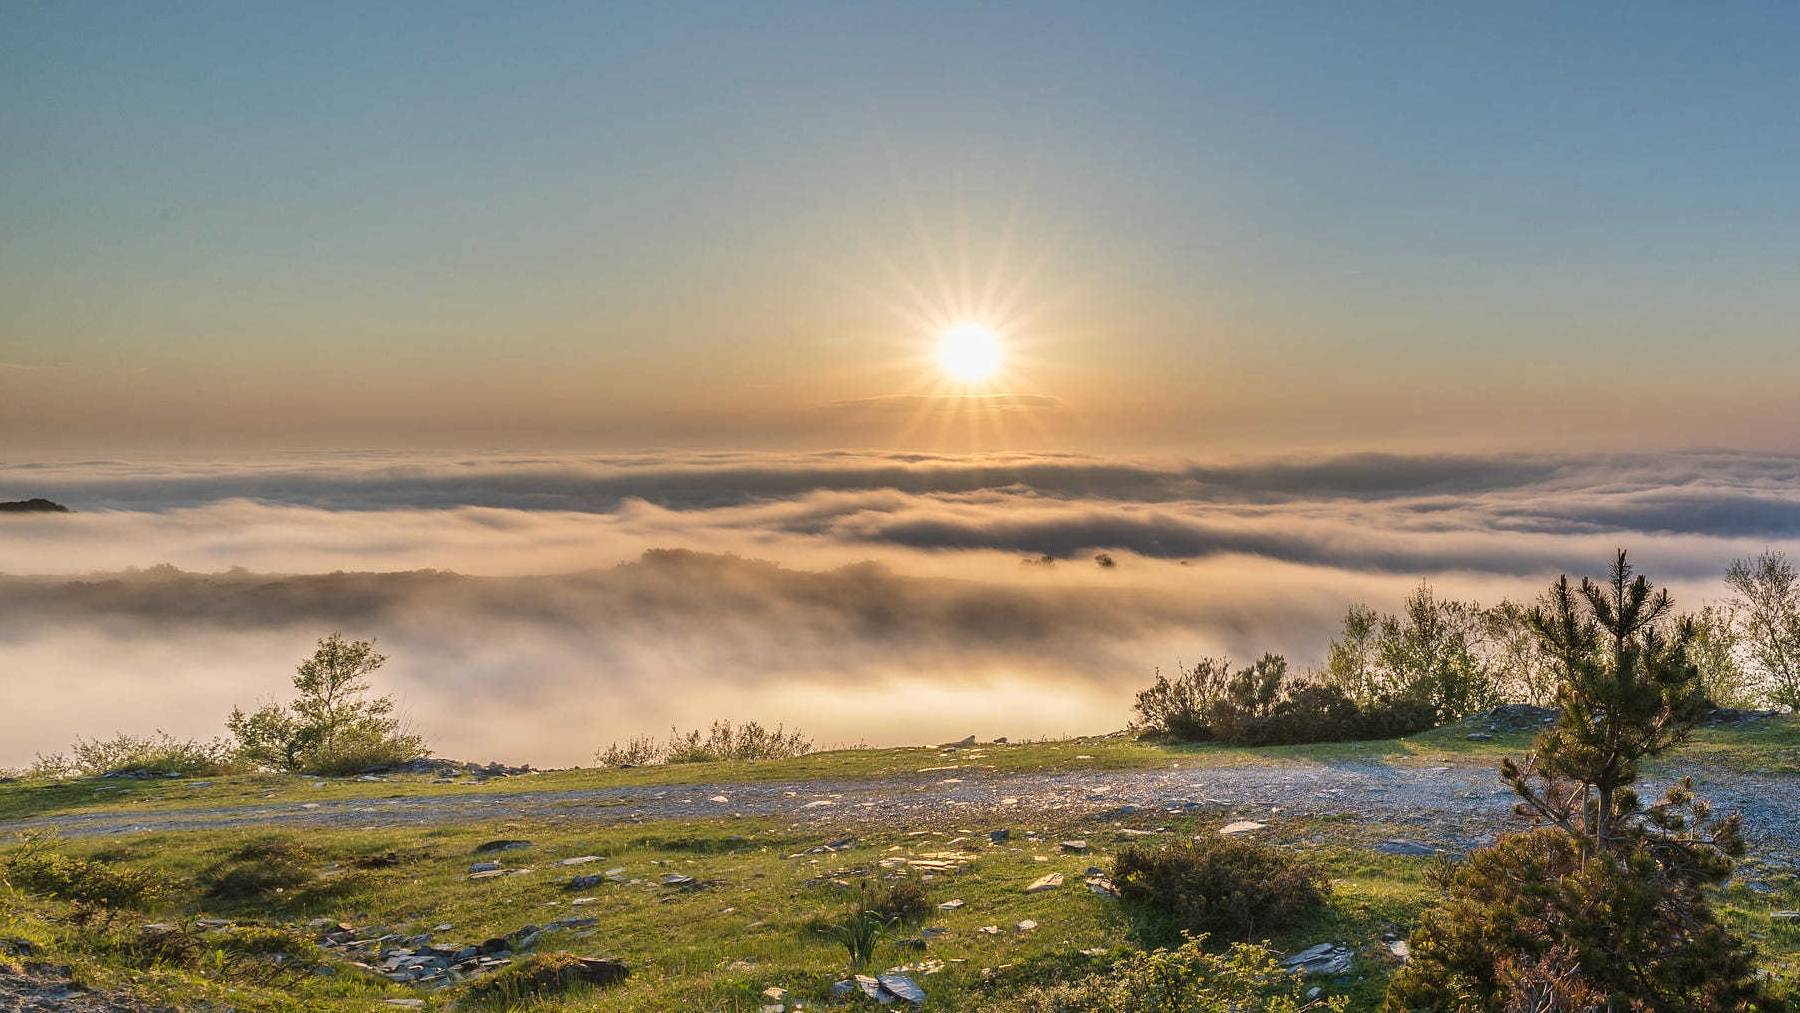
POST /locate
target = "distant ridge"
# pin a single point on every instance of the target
(33, 506)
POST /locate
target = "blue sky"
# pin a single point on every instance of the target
(353, 224)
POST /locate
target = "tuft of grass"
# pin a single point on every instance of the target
(858, 932)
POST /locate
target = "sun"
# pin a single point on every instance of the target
(969, 353)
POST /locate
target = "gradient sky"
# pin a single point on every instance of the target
(1215, 228)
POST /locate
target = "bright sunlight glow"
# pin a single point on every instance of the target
(969, 353)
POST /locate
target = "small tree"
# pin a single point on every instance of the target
(333, 726)
(1606, 895)
(1766, 604)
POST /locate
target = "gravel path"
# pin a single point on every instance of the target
(1457, 805)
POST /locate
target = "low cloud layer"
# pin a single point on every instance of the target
(865, 596)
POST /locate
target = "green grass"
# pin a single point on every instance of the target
(756, 923)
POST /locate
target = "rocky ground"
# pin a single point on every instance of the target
(1457, 806)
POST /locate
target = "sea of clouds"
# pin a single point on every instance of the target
(535, 606)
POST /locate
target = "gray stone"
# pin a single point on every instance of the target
(902, 987)
(1325, 958)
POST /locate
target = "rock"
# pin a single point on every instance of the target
(583, 882)
(1785, 916)
(1325, 958)
(842, 990)
(1401, 949)
(774, 994)
(989, 930)
(719, 800)
(1102, 886)
(582, 860)
(16, 948)
(1405, 848)
(950, 905)
(962, 743)
(901, 987)
(999, 836)
(1046, 882)
(1241, 827)
(488, 873)
(1074, 847)
(871, 987)
(405, 1003)
(677, 879)
(483, 866)
(1480, 737)
(501, 845)
(1027, 925)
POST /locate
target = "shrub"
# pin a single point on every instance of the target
(1221, 886)
(1186, 979)
(161, 753)
(1181, 707)
(1436, 653)
(1766, 606)
(333, 726)
(748, 741)
(1262, 705)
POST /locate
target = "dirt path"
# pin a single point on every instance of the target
(1457, 806)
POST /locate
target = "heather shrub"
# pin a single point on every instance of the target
(1222, 886)
(1185, 979)
(1262, 704)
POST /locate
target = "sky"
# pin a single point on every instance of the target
(1205, 229)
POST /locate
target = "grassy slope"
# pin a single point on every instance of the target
(1769, 746)
(718, 948)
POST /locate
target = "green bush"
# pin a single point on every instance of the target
(748, 741)
(161, 753)
(1221, 886)
(1186, 979)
